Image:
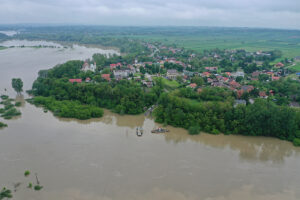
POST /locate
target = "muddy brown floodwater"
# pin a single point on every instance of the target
(103, 159)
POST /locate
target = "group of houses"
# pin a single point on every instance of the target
(211, 74)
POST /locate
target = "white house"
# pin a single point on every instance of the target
(89, 67)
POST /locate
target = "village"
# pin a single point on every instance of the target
(178, 69)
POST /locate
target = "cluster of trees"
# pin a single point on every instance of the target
(152, 69)
(186, 113)
(207, 94)
(17, 84)
(230, 62)
(125, 96)
(178, 67)
(263, 118)
(68, 109)
(103, 60)
(2, 125)
(285, 90)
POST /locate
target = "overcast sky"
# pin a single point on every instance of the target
(241, 13)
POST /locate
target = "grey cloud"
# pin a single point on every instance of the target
(252, 13)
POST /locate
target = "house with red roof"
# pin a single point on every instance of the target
(89, 67)
(275, 78)
(192, 85)
(113, 66)
(247, 88)
(279, 65)
(228, 74)
(75, 80)
(234, 84)
(88, 79)
(206, 74)
(240, 93)
(256, 74)
(212, 69)
(148, 63)
(244, 89)
(106, 76)
(225, 79)
(263, 94)
(209, 80)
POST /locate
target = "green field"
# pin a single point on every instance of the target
(297, 66)
(2, 48)
(198, 39)
(169, 84)
(249, 44)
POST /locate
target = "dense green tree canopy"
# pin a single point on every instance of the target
(17, 84)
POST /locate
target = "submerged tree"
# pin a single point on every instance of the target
(5, 193)
(17, 84)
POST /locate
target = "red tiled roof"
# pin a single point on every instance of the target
(240, 93)
(193, 85)
(234, 84)
(211, 68)
(206, 73)
(279, 64)
(210, 80)
(75, 80)
(106, 76)
(228, 73)
(262, 94)
(115, 65)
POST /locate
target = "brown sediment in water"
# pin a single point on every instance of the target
(104, 159)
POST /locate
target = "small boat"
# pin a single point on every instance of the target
(159, 130)
(139, 133)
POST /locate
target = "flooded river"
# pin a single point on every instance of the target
(103, 159)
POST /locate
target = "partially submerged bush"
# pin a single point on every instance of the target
(2, 125)
(8, 114)
(296, 142)
(4, 97)
(68, 109)
(27, 173)
(38, 187)
(5, 193)
(18, 104)
(9, 106)
(29, 185)
(194, 130)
